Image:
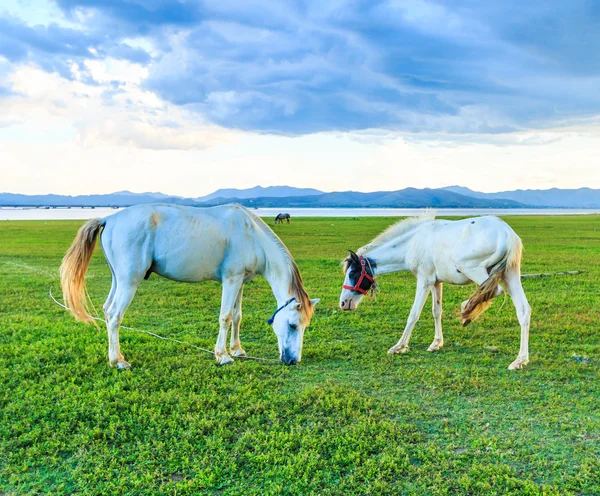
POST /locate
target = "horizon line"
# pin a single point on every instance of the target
(125, 192)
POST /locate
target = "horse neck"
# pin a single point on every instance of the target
(277, 271)
(390, 256)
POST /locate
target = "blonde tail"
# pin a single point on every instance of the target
(480, 300)
(75, 265)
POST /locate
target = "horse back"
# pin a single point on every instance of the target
(188, 243)
(446, 245)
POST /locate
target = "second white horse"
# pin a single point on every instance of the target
(483, 250)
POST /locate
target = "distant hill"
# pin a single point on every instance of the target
(558, 198)
(260, 192)
(122, 199)
(276, 197)
(156, 195)
(406, 198)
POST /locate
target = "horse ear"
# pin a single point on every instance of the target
(354, 256)
(314, 301)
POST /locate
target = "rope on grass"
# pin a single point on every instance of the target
(23, 266)
(550, 274)
(164, 338)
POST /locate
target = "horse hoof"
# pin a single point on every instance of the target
(518, 364)
(435, 347)
(123, 365)
(224, 360)
(466, 322)
(239, 353)
(397, 349)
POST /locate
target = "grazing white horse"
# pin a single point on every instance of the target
(226, 243)
(483, 250)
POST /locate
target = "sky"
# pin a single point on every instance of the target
(185, 97)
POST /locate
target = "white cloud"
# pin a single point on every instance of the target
(432, 18)
(65, 136)
(36, 12)
(147, 136)
(130, 117)
(109, 69)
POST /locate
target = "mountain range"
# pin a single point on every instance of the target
(287, 196)
(406, 198)
(566, 198)
(260, 192)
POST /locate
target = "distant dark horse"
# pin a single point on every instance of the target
(280, 217)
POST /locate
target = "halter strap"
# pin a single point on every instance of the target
(272, 319)
(363, 275)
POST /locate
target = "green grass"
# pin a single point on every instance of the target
(348, 420)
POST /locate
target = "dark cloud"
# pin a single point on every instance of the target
(304, 66)
(53, 47)
(140, 14)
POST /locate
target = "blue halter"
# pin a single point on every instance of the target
(272, 319)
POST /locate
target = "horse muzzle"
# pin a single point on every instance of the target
(348, 304)
(350, 300)
(289, 358)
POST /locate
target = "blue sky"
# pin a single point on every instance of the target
(192, 76)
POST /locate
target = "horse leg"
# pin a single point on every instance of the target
(113, 289)
(420, 297)
(111, 294)
(125, 291)
(231, 288)
(436, 295)
(234, 343)
(478, 275)
(515, 289)
(128, 268)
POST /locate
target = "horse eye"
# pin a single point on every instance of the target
(293, 327)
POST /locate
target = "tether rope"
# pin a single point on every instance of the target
(184, 343)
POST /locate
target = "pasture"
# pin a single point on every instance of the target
(348, 420)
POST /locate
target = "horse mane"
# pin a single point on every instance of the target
(398, 229)
(296, 285)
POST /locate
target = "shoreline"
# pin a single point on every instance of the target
(84, 213)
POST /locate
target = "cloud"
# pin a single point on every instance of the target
(301, 67)
(406, 65)
(53, 47)
(121, 94)
(361, 161)
(97, 115)
(138, 15)
(150, 136)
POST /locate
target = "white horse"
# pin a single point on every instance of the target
(226, 243)
(484, 250)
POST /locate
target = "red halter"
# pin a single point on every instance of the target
(363, 275)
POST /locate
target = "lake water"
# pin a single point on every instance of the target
(26, 213)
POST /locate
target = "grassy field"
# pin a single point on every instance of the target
(348, 420)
